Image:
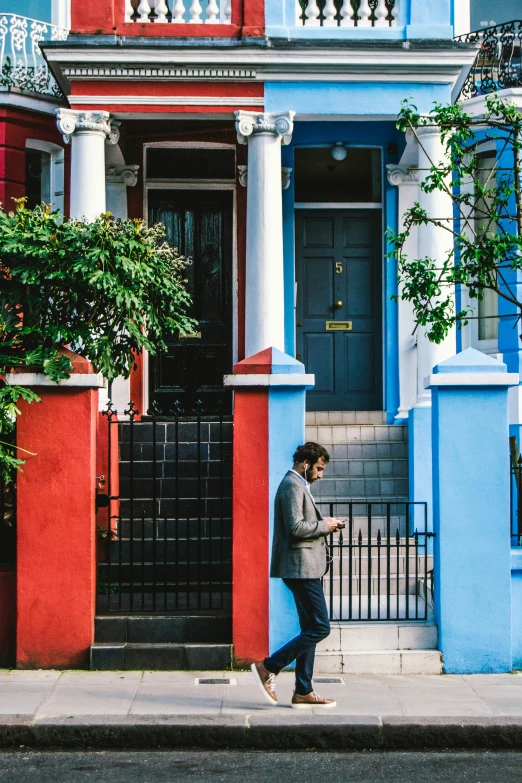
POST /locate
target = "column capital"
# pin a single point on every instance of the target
(402, 175)
(250, 123)
(70, 121)
(122, 175)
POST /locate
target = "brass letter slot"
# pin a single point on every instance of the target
(338, 326)
(195, 336)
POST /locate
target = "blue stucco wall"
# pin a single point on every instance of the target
(352, 99)
(34, 9)
(471, 520)
(286, 418)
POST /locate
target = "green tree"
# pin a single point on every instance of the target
(486, 224)
(107, 289)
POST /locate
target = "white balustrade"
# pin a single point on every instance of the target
(21, 60)
(329, 13)
(369, 13)
(179, 11)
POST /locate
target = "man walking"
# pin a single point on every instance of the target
(299, 559)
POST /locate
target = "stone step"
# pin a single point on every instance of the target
(345, 417)
(328, 435)
(398, 585)
(361, 488)
(354, 637)
(208, 629)
(368, 450)
(380, 662)
(397, 565)
(159, 656)
(368, 468)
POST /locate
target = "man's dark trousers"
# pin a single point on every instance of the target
(315, 625)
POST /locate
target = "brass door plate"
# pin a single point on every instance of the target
(193, 336)
(338, 326)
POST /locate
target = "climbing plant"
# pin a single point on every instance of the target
(484, 220)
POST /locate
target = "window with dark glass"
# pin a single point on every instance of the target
(183, 163)
(37, 177)
(321, 178)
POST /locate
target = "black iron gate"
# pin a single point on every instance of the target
(381, 564)
(166, 545)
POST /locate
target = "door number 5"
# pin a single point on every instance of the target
(338, 267)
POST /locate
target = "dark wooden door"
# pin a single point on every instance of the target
(199, 224)
(338, 270)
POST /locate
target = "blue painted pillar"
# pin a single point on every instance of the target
(430, 20)
(471, 510)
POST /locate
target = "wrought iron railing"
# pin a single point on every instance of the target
(8, 514)
(498, 64)
(167, 542)
(21, 60)
(516, 495)
(381, 564)
(347, 13)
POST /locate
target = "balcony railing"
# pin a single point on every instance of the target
(347, 13)
(179, 11)
(22, 62)
(498, 64)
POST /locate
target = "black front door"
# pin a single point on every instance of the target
(338, 270)
(199, 224)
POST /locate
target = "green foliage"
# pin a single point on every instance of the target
(106, 289)
(486, 224)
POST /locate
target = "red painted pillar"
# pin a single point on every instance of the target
(56, 544)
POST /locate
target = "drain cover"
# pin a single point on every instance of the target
(338, 680)
(215, 681)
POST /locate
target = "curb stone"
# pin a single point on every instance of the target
(262, 732)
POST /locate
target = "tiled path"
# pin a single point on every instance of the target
(77, 693)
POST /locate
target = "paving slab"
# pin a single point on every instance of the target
(170, 709)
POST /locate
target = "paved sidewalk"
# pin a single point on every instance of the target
(174, 709)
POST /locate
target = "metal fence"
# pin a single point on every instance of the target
(381, 564)
(168, 540)
(516, 505)
(8, 513)
(498, 64)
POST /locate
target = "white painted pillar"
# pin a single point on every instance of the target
(265, 305)
(117, 180)
(87, 131)
(406, 179)
(434, 242)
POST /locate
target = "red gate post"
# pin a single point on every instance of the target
(56, 543)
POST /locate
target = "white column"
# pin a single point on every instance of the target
(87, 131)
(117, 180)
(265, 305)
(406, 179)
(434, 242)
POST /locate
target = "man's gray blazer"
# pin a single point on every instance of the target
(298, 547)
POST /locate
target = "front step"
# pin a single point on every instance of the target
(169, 642)
(380, 648)
(380, 662)
(159, 656)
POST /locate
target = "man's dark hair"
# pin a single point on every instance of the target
(310, 452)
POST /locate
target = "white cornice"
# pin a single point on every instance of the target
(346, 64)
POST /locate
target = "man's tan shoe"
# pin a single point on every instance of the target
(311, 700)
(265, 680)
